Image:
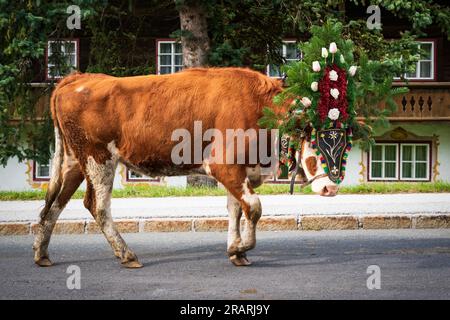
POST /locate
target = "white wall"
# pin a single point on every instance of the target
(353, 167)
(14, 176)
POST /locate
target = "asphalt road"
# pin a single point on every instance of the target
(414, 264)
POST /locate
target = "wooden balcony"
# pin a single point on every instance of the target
(425, 101)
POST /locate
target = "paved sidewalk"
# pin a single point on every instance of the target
(280, 212)
(276, 205)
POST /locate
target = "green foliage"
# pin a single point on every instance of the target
(25, 27)
(371, 85)
(245, 33)
(420, 13)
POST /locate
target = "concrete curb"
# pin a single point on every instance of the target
(269, 223)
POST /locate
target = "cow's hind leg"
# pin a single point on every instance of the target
(57, 197)
(98, 200)
(242, 197)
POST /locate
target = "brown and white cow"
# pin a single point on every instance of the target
(102, 120)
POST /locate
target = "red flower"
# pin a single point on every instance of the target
(326, 102)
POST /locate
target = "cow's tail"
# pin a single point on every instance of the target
(55, 184)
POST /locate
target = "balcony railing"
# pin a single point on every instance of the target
(424, 101)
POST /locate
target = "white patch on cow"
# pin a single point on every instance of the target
(319, 183)
(102, 177)
(250, 198)
(79, 89)
(114, 151)
(206, 167)
(234, 208)
(57, 156)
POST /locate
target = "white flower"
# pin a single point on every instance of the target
(342, 59)
(333, 75)
(314, 86)
(334, 93)
(316, 66)
(352, 70)
(333, 47)
(333, 114)
(324, 53)
(306, 102)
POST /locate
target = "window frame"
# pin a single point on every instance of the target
(399, 161)
(433, 64)
(77, 55)
(143, 179)
(283, 53)
(157, 56)
(413, 161)
(36, 177)
(383, 161)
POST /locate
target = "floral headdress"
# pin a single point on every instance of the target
(324, 91)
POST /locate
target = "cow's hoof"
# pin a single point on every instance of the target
(240, 260)
(44, 262)
(133, 264)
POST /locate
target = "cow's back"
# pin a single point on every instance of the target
(139, 114)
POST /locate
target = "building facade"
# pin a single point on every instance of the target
(416, 147)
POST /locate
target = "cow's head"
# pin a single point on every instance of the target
(313, 170)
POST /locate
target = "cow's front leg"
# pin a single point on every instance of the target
(241, 197)
(235, 247)
(239, 244)
(251, 206)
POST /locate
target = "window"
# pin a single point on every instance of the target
(41, 171)
(383, 162)
(62, 58)
(290, 53)
(134, 176)
(399, 161)
(170, 57)
(425, 66)
(414, 161)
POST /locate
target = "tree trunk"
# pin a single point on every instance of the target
(195, 44)
(194, 35)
